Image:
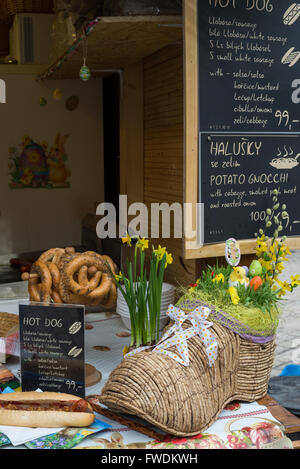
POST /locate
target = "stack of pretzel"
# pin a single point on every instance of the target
(65, 276)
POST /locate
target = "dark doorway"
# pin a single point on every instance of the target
(111, 127)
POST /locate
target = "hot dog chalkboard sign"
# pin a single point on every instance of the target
(249, 114)
(52, 348)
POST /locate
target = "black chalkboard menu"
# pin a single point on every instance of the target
(52, 348)
(249, 114)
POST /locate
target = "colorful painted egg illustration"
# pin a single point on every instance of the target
(33, 164)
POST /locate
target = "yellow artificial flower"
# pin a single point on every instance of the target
(295, 280)
(219, 278)
(266, 264)
(235, 299)
(125, 350)
(261, 246)
(127, 240)
(143, 244)
(280, 267)
(284, 288)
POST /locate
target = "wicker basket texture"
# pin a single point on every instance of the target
(185, 401)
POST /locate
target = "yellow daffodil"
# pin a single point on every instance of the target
(233, 295)
(119, 277)
(127, 240)
(295, 280)
(219, 278)
(160, 252)
(125, 350)
(143, 244)
(169, 259)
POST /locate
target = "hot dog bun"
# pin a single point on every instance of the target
(44, 418)
(292, 14)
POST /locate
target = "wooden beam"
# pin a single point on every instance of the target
(131, 134)
(191, 145)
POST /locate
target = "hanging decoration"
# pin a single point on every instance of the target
(72, 103)
(74, 48)
(57, 94)
(84, 73)
(43, 101)
(33, 165)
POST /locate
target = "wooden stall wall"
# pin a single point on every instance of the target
(164, 146)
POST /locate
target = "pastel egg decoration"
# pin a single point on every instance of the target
(232, 252)
(256, 282)
(255, 268)
(43, 101)
(33, 166)
(57, 94)
(85, 73)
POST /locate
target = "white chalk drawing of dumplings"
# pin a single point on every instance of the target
(292, 14)
(74, 352)
(75, 327)
(284, 163)
(291, 57)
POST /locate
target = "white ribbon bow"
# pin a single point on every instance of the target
(177, 336)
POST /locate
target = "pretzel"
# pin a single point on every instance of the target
(52, 255)
(110, 263)
(111, 297)
(33, 289)
(56, 297)
(74, 266)
(103, 289)
(45, 284)
(83, 279)
(54, 271)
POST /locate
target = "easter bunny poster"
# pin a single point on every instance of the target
(38, 164)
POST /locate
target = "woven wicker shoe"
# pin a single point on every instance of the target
(184, 401)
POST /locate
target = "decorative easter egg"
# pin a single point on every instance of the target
(232, 252)
(33, 164)
(57, 94)
(255, 268)
(256, 282)
(84, 73)
(43, 101)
